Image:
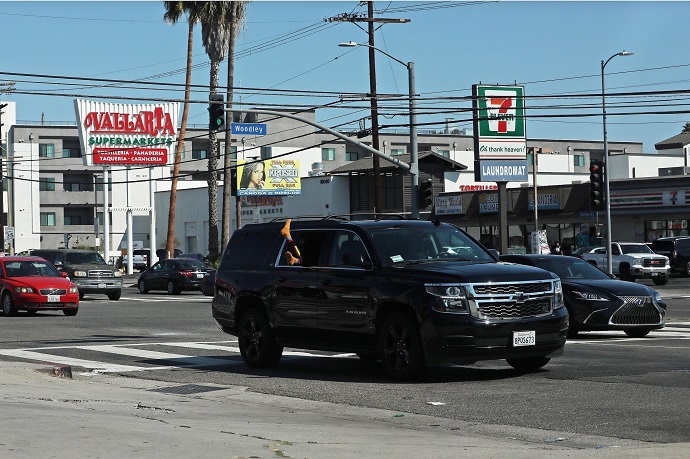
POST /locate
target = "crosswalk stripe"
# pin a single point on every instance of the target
(104, 367)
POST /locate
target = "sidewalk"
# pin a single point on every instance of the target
(113, 417)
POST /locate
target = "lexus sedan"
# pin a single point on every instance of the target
(173, 275)
(34, 284)
(595, 301)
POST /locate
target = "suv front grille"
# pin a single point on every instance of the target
(100, 273)
(636, 310)
(650, 262)
(511, 300)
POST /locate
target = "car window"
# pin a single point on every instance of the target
(31, 268)
(347, 248)
(77, 258)
(683, 244)
(570, 268)
(190, 264)
(310, 244)
(664, 246)
(397, 244)
(635, 248)
(157, 267)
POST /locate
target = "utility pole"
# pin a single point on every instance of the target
(371, 21)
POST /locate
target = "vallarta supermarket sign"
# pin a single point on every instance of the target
(120, 134)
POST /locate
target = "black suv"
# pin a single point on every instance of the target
(409, 293)
(677, 249)
(86, 269)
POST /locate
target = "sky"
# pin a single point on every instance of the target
(287, 55)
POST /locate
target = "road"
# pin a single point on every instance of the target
(606, 384)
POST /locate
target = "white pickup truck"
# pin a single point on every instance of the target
(632, 260)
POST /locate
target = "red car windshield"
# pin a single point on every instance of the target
(30, 268)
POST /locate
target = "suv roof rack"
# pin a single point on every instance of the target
(353, 216)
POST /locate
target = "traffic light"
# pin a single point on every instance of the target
(596, 185)
(426, 194)
(216, 112)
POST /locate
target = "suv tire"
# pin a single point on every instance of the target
(624, 270)
(528, 364)
(400, 347)
(687, 269)
(637, 332)
(663, 280)
(256, 340)
(115, 295)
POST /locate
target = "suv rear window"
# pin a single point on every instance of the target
(664, 246)
(249, 248)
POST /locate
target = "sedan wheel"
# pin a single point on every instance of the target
(142, 286)
(172, 290)
(8, 306)
(687, 269)
(70, 312)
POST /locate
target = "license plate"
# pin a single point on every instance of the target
(53, 298)
(199, 276)
(524, 338)
(101, 286)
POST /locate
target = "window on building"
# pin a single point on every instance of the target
(397, 151)
(579, 160)
(46, 150)
(530, 159)
(328, 154)
(199, 154)
(71, 153)
(72, 220)
(233, 152)
(99, 184)
(266, 153)
(76, 186)
(444, 153)
(351, 156)
(47, 218)
(46, 184)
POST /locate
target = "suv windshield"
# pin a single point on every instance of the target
(78, 258)
(635, 248)
(397, 244)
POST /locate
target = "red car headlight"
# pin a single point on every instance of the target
(24, 290)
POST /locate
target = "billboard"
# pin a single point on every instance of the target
(500, 139)
(141, 134)
(268, 177)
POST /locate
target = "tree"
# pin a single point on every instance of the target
(236, 20)
(215, 20)
(686, 128)
(173, 12)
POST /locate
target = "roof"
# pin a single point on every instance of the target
(367, 164)
(677, 141)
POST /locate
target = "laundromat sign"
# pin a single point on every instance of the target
(121, 134)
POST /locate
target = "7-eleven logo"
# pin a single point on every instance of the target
(501, 110)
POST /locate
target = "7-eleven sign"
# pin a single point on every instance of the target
(501, 111)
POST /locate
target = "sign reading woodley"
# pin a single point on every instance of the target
(499, 126)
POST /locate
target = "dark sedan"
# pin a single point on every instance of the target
(595, 301)
(173, 275)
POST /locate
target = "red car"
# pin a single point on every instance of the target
(34, 284)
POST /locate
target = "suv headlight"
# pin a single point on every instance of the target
(117, 273)
(79, 273)
(448, 298)
(558, 295)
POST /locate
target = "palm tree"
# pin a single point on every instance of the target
(236, 21)
(173, 12)
(215, 33)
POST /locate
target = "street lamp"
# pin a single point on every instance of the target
(607, 171)
(414, 162)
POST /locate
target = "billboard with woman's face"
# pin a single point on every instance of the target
(268, 177)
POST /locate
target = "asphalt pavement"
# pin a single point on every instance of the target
(51, 411)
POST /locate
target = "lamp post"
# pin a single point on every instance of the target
(607, 171)
(414, 162)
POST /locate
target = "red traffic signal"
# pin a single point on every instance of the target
(596, 185)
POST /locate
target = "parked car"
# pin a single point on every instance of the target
(34, 284)
(595, 301)
(140, 259)
(193, 256)
(583, 250)
(160, 253)
(87, 269)
(388, 290)
(632, 260)
(173, 275)
(677, 249)
(207, 286)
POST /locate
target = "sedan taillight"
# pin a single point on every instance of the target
(185, 273)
